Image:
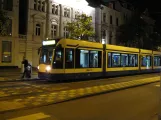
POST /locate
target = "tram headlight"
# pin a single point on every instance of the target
(48, 68)
(38, 67)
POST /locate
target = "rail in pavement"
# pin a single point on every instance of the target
(65, 95)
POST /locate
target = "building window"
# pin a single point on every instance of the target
(103, 34)
(117, 22)
(110, 37)
(9, 29)
(66, 32)
(6, 51)
(38, 29)
(35, 4)
(7, 4)
(104, 17)
(55, 9)
(54, 29)
(66, 12)
(77, 14)
(43, 6)
(110, 19)
(39, 5)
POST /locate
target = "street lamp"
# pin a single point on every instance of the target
(101, 7)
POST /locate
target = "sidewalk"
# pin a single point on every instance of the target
(60, 96)
(14, 74)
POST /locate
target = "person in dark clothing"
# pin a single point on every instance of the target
(25, 62)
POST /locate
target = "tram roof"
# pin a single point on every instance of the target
(144, 51)
(79, 43)
(156, 52)
(121, 48)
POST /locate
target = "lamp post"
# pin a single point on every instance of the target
(101, 7)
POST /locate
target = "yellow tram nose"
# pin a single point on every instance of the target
(44, 68)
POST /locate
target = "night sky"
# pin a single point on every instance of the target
(153, 6)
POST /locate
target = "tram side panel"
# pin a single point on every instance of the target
(121, 60)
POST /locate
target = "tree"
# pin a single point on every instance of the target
(135, 33)
(4, 23)
(81, 27)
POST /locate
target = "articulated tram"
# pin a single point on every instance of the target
(65, 59)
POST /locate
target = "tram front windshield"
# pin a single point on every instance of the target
(46, 55)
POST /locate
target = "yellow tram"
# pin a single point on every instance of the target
(63, 59)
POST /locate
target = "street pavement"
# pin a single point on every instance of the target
(137, 103)
(14, 74)
(29, 94)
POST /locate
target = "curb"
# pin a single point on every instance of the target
(19, 80)
(63, 96)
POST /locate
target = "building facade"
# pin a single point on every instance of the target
(33, 21)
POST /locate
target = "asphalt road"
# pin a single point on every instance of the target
(28, 88)
(138, 103)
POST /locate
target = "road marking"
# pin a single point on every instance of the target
(36, 116)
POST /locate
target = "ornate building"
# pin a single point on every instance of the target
(33, 21)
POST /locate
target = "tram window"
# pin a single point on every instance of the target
(133, 60)
(77, 58)
(95, 59)
(157, 60)
(84, 58)
(146, 61)
(109, 59)
(124, 60)
(69, 58)
(115, 59)
(58, 60)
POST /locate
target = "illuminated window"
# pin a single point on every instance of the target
(58, 60)
(55, 9)
(6, 51)
(54, 29)
(37, 30)
(124, 60)
(66, 12)
(116, 60)
(133, 60)
(95, 59)
(146, 61)
(69, 58)
(157, 60)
